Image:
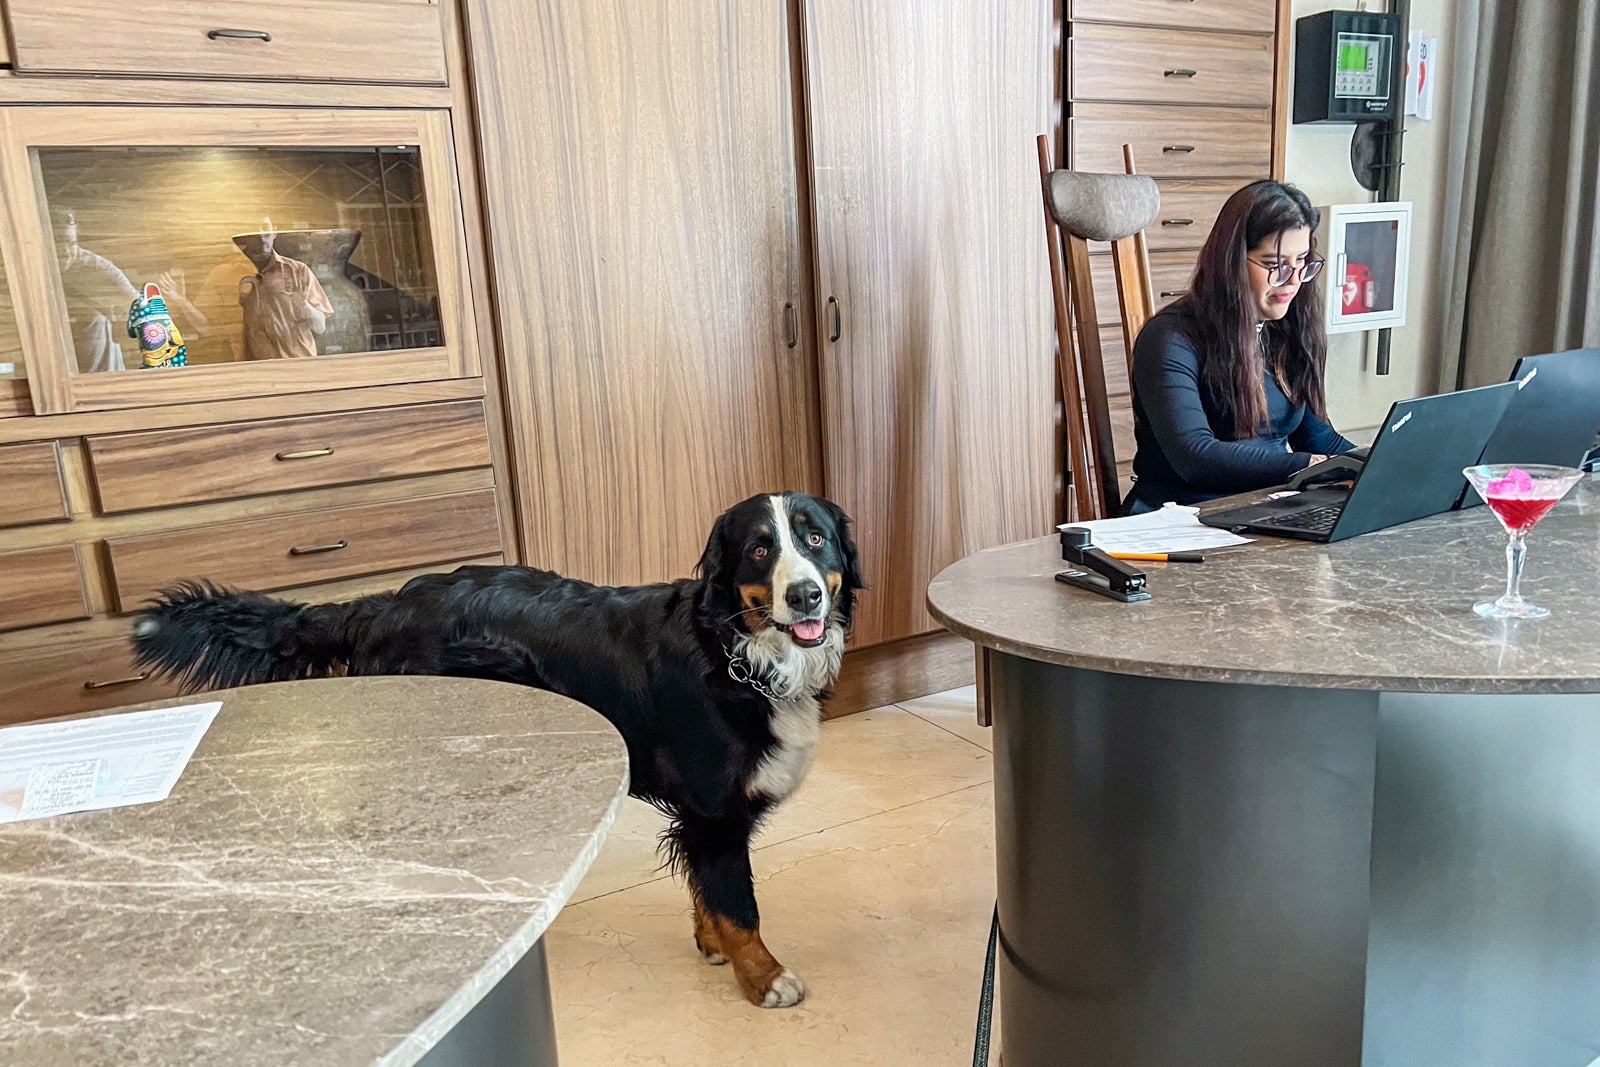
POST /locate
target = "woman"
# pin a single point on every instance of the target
(1227, 382)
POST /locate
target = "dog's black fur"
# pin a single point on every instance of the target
(654, 660)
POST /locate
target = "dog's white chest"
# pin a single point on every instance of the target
(796, 726)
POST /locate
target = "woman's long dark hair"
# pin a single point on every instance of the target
(1222, 311)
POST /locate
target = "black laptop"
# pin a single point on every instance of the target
(1412, 471)
(1554, 417)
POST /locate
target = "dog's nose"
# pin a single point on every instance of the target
(803, 596)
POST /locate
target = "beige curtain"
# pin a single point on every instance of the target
(1521, 255)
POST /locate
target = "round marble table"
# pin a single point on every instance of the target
(350, 871)
(1302, 806)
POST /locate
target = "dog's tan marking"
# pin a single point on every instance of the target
(835, 582)
(705, 934)
(757, 602)
(765, 982)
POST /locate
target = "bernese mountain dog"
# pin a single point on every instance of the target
(716, 683)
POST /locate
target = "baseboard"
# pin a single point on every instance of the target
(899, 670)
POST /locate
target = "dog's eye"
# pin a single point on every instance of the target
(815, 540)
(759, 553)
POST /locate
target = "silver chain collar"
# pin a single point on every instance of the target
(739, 671)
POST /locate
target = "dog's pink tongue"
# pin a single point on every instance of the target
(809, 630)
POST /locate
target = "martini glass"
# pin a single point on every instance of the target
(1519, 496)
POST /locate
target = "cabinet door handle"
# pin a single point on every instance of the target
(1172, 292)
(309, 453)
(1177, 222)
(241, 35)
(314, 550)
(835, 321)
(130, 680)
(1179, 72)
(1178, 148)
(791, 326)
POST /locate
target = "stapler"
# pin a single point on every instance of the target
(1104, 575)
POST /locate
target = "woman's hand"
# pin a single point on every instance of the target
(1314, 461)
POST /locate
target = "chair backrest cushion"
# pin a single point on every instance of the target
(1103, 207)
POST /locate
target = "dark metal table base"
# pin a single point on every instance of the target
(1239, 875)
(512, 1025)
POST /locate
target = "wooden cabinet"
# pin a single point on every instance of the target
(938, 382)
(333, 424)
(312, 40)
(648, 249)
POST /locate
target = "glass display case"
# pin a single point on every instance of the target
(1369, 253)
(185, 254)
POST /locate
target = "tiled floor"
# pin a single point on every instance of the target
(876, 883)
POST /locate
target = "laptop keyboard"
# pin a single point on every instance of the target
(1314, 520)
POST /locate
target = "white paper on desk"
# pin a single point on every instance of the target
(52, 768)
(1174, 528)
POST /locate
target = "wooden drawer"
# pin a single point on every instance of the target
(328, 40)
(36, 683)
(1243, 16)
(33, 491)
(1173, 142)
(161, 468)
(1188, 211)
(1140, 65)
(40, 585)
(313, 546)
(1169, 276)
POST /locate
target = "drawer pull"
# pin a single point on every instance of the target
(241, 35)
(1177, 148)
(317, 550)
(1172, 292)
(309, 453)
(1179, 72)
(142, 676)
(1177, 222)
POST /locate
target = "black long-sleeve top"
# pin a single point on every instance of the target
(1181, 451)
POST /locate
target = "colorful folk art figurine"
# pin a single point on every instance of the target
(160, 343)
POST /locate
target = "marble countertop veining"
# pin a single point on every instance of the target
(345, 868)
(1390, 610)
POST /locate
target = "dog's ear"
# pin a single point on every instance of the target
(847, 544)
(712, 559)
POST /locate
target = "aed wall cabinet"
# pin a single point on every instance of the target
(1345, 64)
(1369, 261)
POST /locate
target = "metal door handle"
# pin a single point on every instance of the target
(309, 453)
(318, 549)
(835, 321)
(1177, 222)
(241, 35)
(791, 326)
(1178, 148)
(140, 677)
(1179, 72)
(1172, 292)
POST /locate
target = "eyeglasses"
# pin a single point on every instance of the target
(1283, 273)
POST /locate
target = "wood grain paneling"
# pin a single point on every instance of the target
(295, 549)
(883, 674)
(1173, 142)
(34, 490)
(1170, 273)
(72, 677)
(1244, 16)
(939, 395)
(162, 468)
(1188, 211)
(1139, 65)
(329, 40)
(645, 240)
(40, 585)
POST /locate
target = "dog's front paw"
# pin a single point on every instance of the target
(785, 991)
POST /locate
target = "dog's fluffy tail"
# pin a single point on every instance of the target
(207, 637)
